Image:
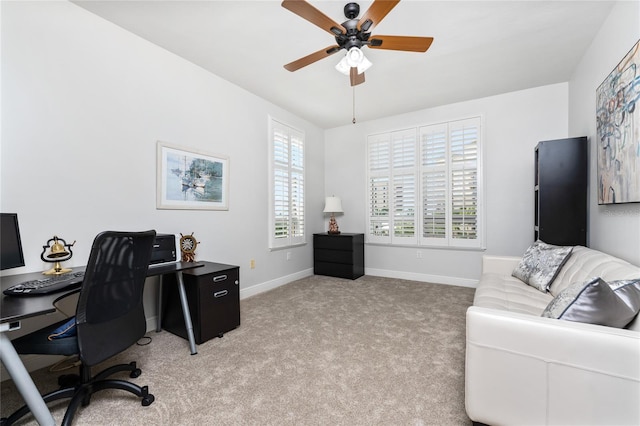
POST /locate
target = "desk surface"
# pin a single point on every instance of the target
(14, 308)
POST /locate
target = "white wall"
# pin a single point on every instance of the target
(84, 103)
(513, 124)
(613, 229)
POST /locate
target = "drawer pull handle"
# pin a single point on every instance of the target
(221, 293)
(219, 278)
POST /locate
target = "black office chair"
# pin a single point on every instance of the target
(109, 319)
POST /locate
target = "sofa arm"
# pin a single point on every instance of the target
(523, 369)
(502, 265)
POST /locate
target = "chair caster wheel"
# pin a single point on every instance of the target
(135, 373)
(148, 400)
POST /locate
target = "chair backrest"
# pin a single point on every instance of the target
(110, 314)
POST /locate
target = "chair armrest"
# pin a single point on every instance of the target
(524, 369)
(502, 265)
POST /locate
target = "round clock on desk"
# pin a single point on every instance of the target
(188, 245)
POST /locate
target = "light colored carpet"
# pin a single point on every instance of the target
(317, 351)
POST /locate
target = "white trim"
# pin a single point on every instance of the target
(270, 285)
(429, 278)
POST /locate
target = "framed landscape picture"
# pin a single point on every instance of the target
(618, 132)
(191, 179)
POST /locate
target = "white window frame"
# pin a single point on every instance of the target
(287, 223)
(389, 163)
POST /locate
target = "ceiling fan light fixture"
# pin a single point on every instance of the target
(354, 58)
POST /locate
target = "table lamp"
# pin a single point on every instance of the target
(333, 205)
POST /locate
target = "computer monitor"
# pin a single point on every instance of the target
(11, 255)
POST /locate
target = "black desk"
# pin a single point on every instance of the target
(14, 309)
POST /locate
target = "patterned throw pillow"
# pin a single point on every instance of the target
(540, 264)
(597, 302)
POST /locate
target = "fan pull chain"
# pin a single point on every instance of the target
(354, 105)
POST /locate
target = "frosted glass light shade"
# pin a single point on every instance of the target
(332, 205)
(354, 58)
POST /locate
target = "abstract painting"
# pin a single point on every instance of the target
(191, 179)
(618, 132)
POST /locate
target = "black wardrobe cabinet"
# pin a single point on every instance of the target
(561, 187)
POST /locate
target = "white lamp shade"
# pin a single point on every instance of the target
(332, 205)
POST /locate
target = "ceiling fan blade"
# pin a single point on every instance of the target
(309, 59)
(411, 44)
(355, 77)
(313, 15)
(376, 13)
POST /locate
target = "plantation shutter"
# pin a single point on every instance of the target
(287, 186)
(404, 186)
(379, 197)
(464, 180)
(450, 178)
(425, 186)
(434, 171)
(297, 188)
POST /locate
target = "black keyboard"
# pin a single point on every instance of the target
(46, 285)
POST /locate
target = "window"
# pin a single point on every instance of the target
(286, 169)
(425, 186)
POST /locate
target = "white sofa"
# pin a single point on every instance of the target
(523, 369)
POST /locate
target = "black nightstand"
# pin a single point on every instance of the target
(340, 255)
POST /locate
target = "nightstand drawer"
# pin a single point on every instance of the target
(339, 270)
(332, 242)
(333, 256)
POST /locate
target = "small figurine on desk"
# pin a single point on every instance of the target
(188, 245)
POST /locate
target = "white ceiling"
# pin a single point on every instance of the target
(481, 48)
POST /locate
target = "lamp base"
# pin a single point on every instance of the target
(333, 226)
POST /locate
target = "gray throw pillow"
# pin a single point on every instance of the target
(628, 291)
(596, 302)
(540, 264)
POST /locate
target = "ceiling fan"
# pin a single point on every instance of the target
(352, 35)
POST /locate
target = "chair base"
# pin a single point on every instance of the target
(84, 386)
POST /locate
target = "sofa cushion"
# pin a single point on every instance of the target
(586, 262)
(595, 302)
(540, 264)
(504, 292)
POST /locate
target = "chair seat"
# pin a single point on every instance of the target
(38, 342)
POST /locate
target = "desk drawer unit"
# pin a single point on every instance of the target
(213, 293)
(339, 255)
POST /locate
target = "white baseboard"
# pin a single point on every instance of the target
(414, 276)
(270, 285)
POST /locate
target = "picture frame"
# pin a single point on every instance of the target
(191, 179)
(618, 132)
